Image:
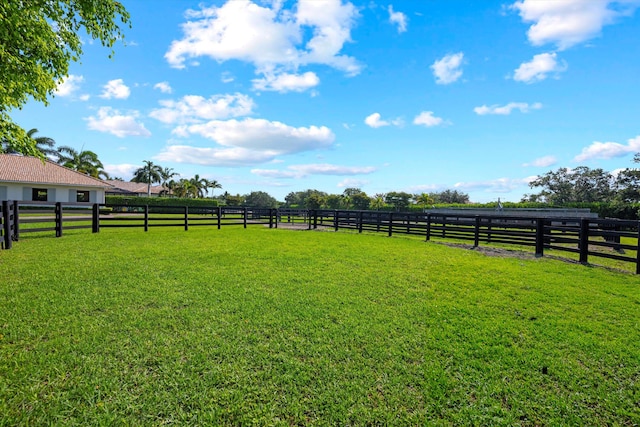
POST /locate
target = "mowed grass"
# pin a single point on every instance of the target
(279, 327)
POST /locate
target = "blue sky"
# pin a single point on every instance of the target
(415, 96)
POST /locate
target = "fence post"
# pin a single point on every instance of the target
(539, 237)
(6, 225)
(584, 240)
(360, 222)
(638, 251)
(58, 212)
(390, 223)
(270, 217)
(146, 217)
(219, 216)
(335, 220)
(428, 227)
(244, 219)
(95, 218)
(16, 221)
(186, 218)
(444, 232)
(476, 232)
(315, 219)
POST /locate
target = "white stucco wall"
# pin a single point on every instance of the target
(55, 193)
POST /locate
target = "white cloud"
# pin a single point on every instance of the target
(352, 183)
(115, 89)
(124, 170)
(447, 70)
(227, 77)
(500, 185)
(374, 120)
(213, 156)
(112, 121)
(542, 162)
(286, 82)
(608, 150)
(84, 97)
(163, 87)
(69, 85)
(569, 22)
(398, 18)
(245, 142)
(426, 118)
(269, 37)
(301, 171)
(539, 68)
(523, 107)
(195, 108)
(423, 188)
(261, 134)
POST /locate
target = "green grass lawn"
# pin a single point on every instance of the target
(279, 327)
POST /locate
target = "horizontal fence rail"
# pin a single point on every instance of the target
(586, 237)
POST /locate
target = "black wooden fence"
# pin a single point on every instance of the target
(587, 237)
(20, 217)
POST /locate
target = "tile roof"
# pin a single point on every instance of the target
(16, 168)
(131, 187)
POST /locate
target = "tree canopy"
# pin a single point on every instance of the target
(38, 40)
(84, 161)
(149, 173)
(579, 185)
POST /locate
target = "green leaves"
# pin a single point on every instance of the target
(38, 40)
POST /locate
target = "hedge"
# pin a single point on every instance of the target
(160, 201)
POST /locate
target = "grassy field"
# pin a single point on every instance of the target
(279, 327)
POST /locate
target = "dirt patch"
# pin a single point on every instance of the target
(506, 253)
(491, 251)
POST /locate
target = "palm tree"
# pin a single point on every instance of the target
(213, 184)
(149, 173)
(424, 199)
(184, 188)
(85, 161)
(346, 201)
(378, 201)
(201, 185)
(43, 143)
(166, 174)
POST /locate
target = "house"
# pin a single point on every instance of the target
(26, 178)
(126, 188)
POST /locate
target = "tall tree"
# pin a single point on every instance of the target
(260, 199)
(450, 196)
(213, 185)
(627, 184)
(165, 176)
(38, 40)
(581, 184)
(423, 199)
(314, 201)
(84, 161)
(149, 173)
(231, 200)
(333, 201)
(360, 201)
(398, 199)
(378, 201)
(201, 185)
(43, 144)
